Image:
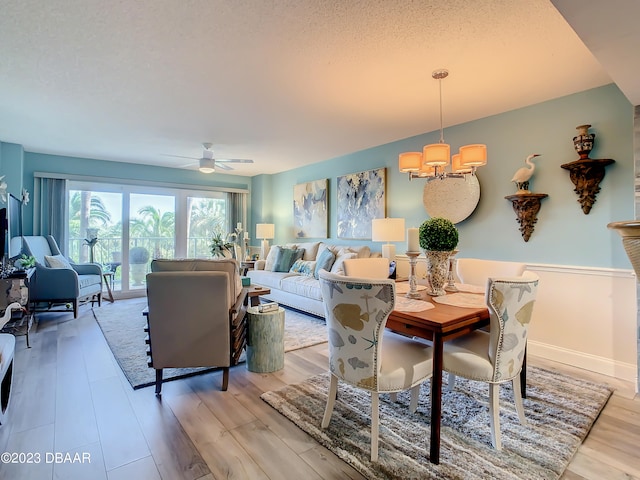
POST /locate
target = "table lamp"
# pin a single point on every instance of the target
(387, 230)
(265, 232)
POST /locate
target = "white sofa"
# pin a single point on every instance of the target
(301, 289)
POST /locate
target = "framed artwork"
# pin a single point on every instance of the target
(361, 198)
(310, 217)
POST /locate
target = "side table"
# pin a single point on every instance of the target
(265, 340)
(245, 266)
(108, 281)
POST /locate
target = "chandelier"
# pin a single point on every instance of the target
(434, 158)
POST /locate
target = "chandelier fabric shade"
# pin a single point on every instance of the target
(457, 167)
(410, 162)
(473, 155)
(436, 156)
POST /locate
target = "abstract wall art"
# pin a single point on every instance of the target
(361, 198)
(310, 215)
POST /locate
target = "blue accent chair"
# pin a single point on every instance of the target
(60, 285)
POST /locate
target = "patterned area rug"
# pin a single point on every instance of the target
(122, 325)
(560, 411)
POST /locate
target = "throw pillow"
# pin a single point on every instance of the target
(270, 261)
(324, 261)
(57, 261)
(338, 265)
(303, 267)
(286, 257)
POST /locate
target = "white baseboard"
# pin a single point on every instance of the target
(602, 365)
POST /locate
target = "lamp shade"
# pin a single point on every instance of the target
(457, 167)
(436, 154)
(387, 229)
(409, 161)
(473, 155)
(265, 230)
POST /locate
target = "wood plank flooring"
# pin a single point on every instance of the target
(69, 395)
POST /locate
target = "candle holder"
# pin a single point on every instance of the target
(413, 282)
(451, 283)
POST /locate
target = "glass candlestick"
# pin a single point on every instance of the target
(451, 283)
(413, 282)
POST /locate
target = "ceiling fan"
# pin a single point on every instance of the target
(208, 164)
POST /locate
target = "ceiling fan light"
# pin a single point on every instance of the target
(436, 154)
(207, 165)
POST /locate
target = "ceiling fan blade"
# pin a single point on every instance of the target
(179, 156)
(222, 166)
(234, 160)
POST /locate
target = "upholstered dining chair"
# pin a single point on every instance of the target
(373, 267)
(496, 356)
(361, 352)
(476, 271)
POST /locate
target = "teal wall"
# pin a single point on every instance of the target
(563, 235)
(11, 166)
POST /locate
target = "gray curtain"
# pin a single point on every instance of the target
(237, 211)
(50, 209)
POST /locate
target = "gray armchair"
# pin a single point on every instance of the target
(195, 316)
(60, 285)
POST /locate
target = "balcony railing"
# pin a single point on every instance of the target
(108, 251)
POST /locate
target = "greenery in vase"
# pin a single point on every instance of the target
(219, 245)
(438, 234)
(27, 261)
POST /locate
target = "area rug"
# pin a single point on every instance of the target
(560, 411)
(122, 325)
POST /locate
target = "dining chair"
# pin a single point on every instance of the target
(361, 352)
(476, 271)
(372, 267)
(496, 356)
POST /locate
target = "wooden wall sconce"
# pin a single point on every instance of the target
(526, 206)
(586, 175)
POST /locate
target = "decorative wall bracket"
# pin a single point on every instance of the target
(526, 206)
(586, 174)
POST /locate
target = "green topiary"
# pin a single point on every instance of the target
(438, 234)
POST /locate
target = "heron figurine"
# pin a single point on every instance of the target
(523, 175)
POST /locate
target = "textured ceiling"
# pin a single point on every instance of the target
(285, 83)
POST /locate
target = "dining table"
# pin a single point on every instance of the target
(439, 323)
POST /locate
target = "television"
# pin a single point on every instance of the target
(14, 226)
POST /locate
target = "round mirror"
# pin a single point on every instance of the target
(451, 198)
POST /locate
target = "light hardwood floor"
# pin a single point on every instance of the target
(69, 395)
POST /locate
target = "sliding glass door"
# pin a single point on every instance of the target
(133, 225)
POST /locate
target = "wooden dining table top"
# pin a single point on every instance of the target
(439, 324)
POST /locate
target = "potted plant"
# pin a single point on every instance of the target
(439, 238)
(26, 261)
(138, 258)
(220, 248)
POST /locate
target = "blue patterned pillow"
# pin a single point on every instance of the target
(287, 257)
(303, 267)
(325, 260)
